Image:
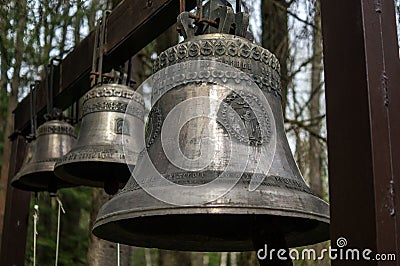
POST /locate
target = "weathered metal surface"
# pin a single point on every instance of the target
(215, 134)
(98, 157)
(53, 140)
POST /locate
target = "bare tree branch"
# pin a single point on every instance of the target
(292, 14)
(299, 124)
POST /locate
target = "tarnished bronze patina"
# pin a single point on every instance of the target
(228, 90)
(97, 159)
(53, 140)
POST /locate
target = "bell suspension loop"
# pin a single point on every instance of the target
(60, 209)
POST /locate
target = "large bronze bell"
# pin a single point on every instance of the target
(53, 140)
(98, 159)
(217, 169)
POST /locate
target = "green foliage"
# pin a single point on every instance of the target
(73, 232)
(214, 258)
(138, 257)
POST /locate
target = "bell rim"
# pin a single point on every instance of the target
(81, 180)
(213, 210)
(21, 179)
(114, 220)
(106, 223)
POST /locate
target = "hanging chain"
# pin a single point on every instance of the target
(238, 6)
(60, 208)
(182, 6)
(35, 221)
(52, 113)
(32, 101)
(98, 51)
(129, 82)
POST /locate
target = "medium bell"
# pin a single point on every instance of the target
(53, 140)
(217, 169)
(98, 159)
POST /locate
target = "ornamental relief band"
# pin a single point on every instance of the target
(100, 154)
(200, 178)
(235, 53)
(113, 92)
(118, 107)
(56, 129)
(163, 82)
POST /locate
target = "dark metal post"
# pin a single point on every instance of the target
(15, 221)
(362, 74)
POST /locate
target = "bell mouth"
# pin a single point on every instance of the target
(34, 180)
(135, 218)
(95, 166)
(207, 229)
(94, 173)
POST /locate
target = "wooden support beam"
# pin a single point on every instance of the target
(130, 27)
(362, 78)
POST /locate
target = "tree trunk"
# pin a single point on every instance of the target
(12, 103)
(315, 148)
(224, 259)
(247, 258)
(167, 258)
(4, 27)
(78, 20)
(197, 259)
(101, 252)
(275, 37)
(233, 256)
(66, 22)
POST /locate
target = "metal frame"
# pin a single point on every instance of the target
(362, 78)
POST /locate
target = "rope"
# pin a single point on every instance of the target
(35, 221)
(118, 255)
(60, 208)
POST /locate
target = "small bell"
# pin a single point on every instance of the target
(53, 140)
(98, 158)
